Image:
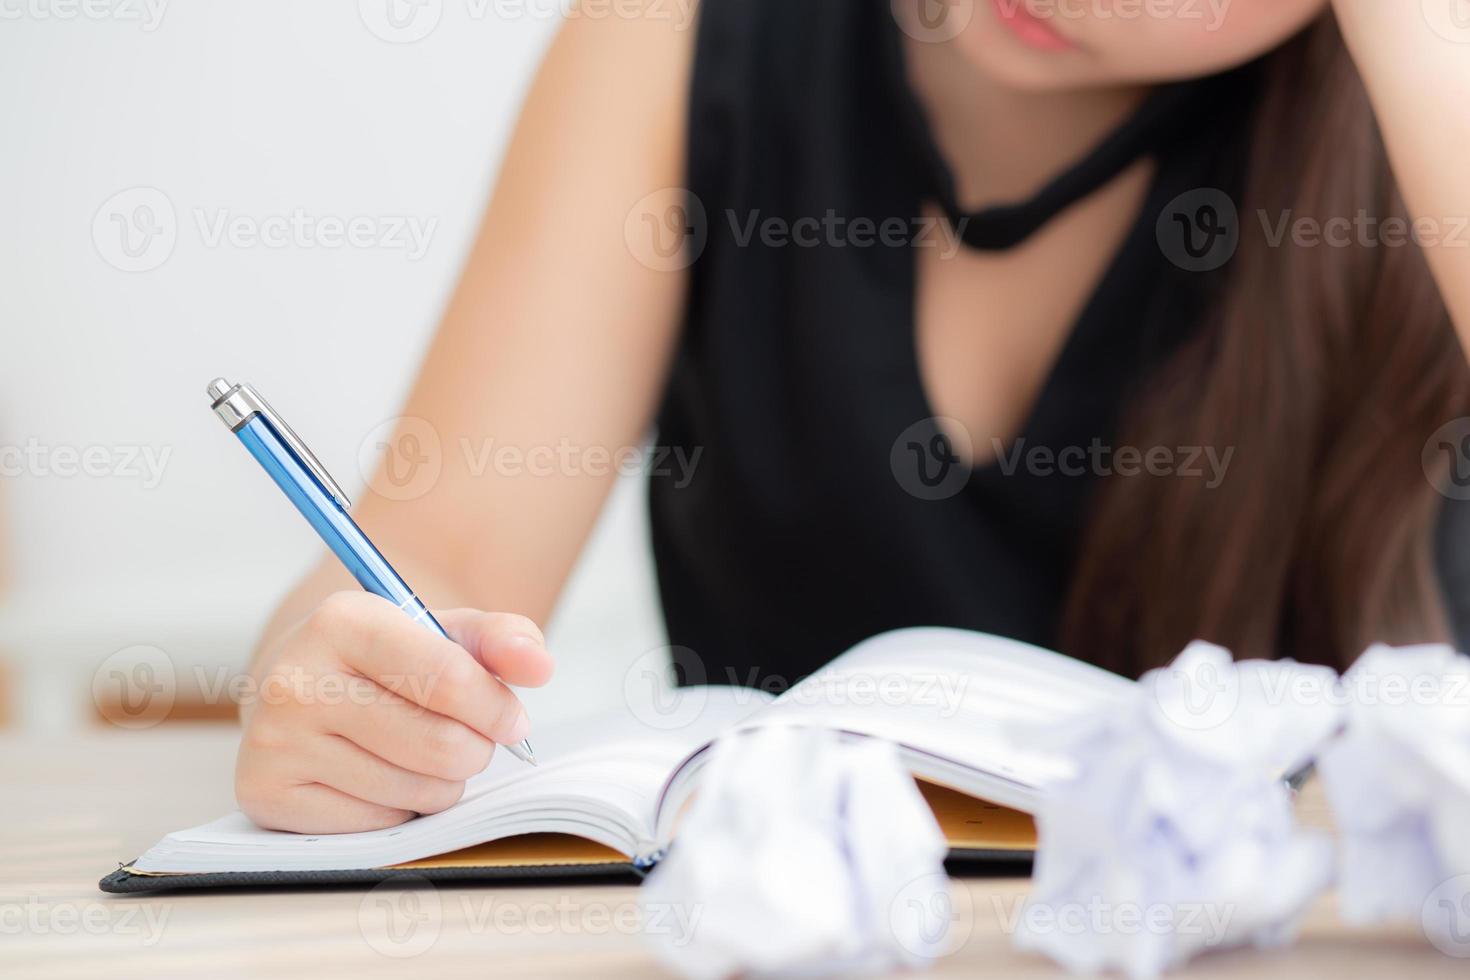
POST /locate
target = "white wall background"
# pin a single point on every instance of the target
(251, 108)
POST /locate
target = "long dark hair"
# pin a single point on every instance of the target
(1326, 369)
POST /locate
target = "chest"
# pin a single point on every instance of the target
(990, 326)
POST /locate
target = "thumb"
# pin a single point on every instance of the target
(509, 646)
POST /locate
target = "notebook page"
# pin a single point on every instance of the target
(950, 698)
(954, 694)
(598, 779)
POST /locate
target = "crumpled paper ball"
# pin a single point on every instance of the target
(794, 856)
(1398, 781)
(1176, 834)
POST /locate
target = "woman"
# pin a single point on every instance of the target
(1065, 250)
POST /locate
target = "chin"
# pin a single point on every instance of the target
(1008, 63)
(1107, 54)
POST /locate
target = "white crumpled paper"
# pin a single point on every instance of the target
(801, 855)
(1176, 833)
(1399, 785)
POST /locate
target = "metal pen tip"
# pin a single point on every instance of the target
(522, 750)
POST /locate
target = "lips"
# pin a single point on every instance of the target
(1031, 30)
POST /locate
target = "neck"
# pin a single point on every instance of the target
(1003, 144)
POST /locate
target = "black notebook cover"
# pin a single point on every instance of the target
(962, 862)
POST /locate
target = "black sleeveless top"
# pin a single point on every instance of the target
(824, 506)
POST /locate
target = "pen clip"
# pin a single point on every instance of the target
(237, 404)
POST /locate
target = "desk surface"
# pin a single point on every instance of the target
(72, 809)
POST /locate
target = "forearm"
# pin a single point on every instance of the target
(1417, 78)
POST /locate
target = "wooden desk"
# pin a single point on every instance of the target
(70, 810)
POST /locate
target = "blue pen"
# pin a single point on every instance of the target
(308, 485)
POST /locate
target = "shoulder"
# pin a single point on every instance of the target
(622, 45)
(610, 97)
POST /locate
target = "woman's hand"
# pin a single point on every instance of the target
(521, 357)
(363, 718)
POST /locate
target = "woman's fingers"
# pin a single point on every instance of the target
(398, 654)
(365, 718)
(510, 646)
(408, 735)
(348, 768)
(312, 808)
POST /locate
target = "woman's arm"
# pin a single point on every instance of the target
(555, 345)
(557, 336)
(1415, 60)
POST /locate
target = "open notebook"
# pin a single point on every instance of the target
(609, 791)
